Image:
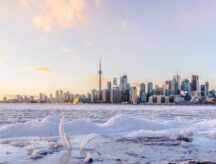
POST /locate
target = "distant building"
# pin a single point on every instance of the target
(185, 85)
(142, 88)
(124, 83)
(169, 84)
(115, 82)
(109, 86)
(61, 96)
(204, 89)
(125, 87)
(116, 95)
(143, 97)
(207, 88)
(106, 96)
(88, 98)
(167, 92)
(150, 88)
(93, 95)
(57, 96)
(195, 83)
(179, 99)
(178, 80)
(133, 95)
(174, 87)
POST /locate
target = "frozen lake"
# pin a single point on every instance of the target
(124, 133)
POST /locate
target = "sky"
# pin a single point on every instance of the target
(56, 44)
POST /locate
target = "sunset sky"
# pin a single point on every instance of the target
(56, 44)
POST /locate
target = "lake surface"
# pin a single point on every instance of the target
(124, 133)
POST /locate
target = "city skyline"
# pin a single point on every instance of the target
(51, 45)
(176, 90)
(102, 84)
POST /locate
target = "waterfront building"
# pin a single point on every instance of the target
(179, 99)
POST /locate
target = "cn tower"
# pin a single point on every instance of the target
(100, 73)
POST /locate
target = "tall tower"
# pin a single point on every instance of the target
(100, 73)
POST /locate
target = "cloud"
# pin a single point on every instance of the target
(95, 80)
(24, 3)
(69, 50)
(186, 13)
(3, 55)
(43, 22)
(15, 45)
(42, 69)
(124, 24)
(61, 13)
(97, 2)
(89, 43)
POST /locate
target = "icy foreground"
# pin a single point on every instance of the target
(120, 133)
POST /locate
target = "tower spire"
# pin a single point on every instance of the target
(100, 73)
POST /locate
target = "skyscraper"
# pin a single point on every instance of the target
(109, 85)
(124, 86)
(133, 95)
(122, 83)
(142, 88)
(185, 86)
(150, 88)
(174, 87)
(178, 80)
(207, 88)
(99, 90)
(57, 96)
(169, 84)
(195, 83)
(93, 95)
(114, 82)
(203, 90)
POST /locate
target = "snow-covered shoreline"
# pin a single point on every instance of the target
(126, 134)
